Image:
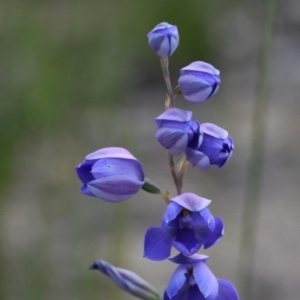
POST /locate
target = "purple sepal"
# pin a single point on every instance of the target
(199, 81)
(206, 281)
(127, 280)
(227, 290)
(214, 235)
(175, 114)
(163, 39)
(158, 243)
(191, 202)
(177, 281)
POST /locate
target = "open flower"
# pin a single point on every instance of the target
(163, 39)
(187, 225)
(216, 148)
(111, 174)
(193, 280)
(177, 130)
(199, 81)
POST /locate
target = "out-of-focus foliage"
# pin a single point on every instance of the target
(59, 55)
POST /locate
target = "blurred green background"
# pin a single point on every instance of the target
(77, 76)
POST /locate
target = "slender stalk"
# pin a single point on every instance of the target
(251, 208)
(182, 167)
(164, 62)
(173, 171)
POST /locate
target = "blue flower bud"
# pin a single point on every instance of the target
(163, 39)
(177, 130)
(111, 174)
(199, 81)
(127, 280)
(216, 148)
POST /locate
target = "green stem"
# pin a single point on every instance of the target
(251, 209)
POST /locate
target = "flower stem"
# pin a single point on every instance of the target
(174, 172)
(164, 62)
(251, 208)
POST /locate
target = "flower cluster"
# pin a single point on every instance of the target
(114, 174)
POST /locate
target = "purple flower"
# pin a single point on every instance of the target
(199, 81)
(127, 280)
(177, 130)
(187, 225)
(163, 39)
(216, 148)
(193, 280)
(111, 174)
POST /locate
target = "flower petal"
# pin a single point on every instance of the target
(129, 168)
(214, 130)
(197, 158)
(177, 280)
(84, 171)
(158, 243)
(213, 236)
(110, 152)
(186, 241)
(115, 188)
(191, 202)
(172, 211)
(174, 140)
(206, 281)
(175, 114)
(201, 66)
(227, 290)
(86, 191)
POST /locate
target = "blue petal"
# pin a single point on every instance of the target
(172, 211)
(175, 114)
(206, 281)
(84, 171)
(177, 281)
(197, 158)
(195, 89)
(202, 218)
(118, 166)
(115, 188)
(201, 66)
(186, 241)
(110, 152)
(213, 236)
(214, 131)
(191, 202)
(174, 140)
(158, 243)
(86, 191)
(227, 290)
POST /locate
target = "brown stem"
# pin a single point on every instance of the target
(164, 62)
